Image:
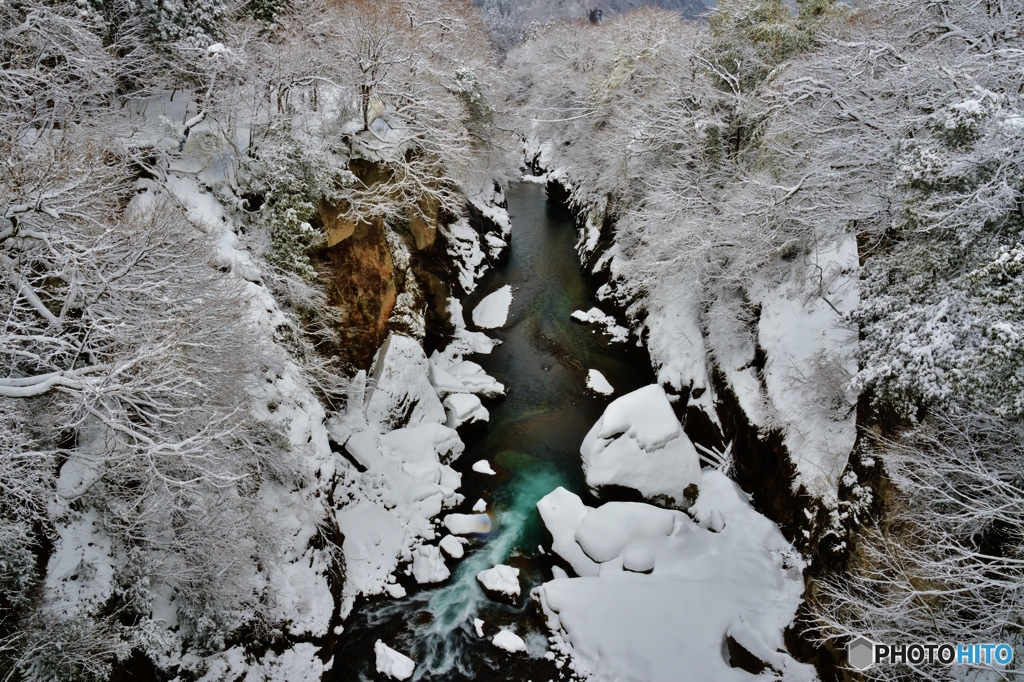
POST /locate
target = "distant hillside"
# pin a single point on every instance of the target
(508, 19)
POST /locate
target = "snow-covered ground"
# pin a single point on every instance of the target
(659, 591)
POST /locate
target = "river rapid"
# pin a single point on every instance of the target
(532, 441)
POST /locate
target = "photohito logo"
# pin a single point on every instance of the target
(863, 653)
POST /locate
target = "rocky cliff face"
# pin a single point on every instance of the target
(386, 278)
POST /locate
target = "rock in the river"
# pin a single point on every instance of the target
(638, 443)
(509, 641)
(399, 392)
(464, 408)
(395, 665)
(501, 581)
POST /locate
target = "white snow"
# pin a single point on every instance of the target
(395, 665)
(483, 467)
(492, 311)
(809, 352)
(562, 512)
(464, 408)
(428, 565)
(598, 384)
(478, 625)
(467, 524)
(476, 380)
(453, 546)
(464, 246)
(399, 392)
(617, 332)
(509, 641)
(480, 506)
(501, 579)
(669, 591)
(638, 443)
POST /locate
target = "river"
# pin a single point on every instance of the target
(532, 441)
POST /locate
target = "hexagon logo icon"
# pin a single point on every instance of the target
(860, 653)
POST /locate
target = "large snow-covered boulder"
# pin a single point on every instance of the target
(638, 443)
(669, 591)
(464, 408)
(400, 393)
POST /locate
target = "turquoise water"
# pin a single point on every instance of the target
(532, 441)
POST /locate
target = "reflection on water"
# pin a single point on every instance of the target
(533, 438)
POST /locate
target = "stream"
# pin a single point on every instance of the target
(532, 441)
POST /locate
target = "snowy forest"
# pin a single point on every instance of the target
(301, 382)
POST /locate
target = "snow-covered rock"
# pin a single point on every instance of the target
(669, 591)
(638, 443)
(467, 524)
(428, 565)
(399, 392)
(598, 384)
(395, 665)
(453, 546)
(478, 625)
(480, 506)
(492, 311)
(475, 380)
(464, 408)
(596, 316)
(509, 641)
(501, 580)
(483, 467)
(562, 512)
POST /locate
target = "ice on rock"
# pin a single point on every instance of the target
(483, 467)
(395, 665)
(669, 591)
(480, 506)
(502, 580)
(562, 512)
(453, 546)
(428, 565)
(638, 443)
(492, 311)
(467, 524)
(400, 393)
(463, 408)
(598, 384)
(509, 641)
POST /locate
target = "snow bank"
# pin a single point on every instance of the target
(811, 358)
(406, 483)
(464, 247)
(613, 329)
(509, 641)
(638, 443)
(395, 665)
(668, 591)
(675, 341)
(492, 311)
(598, 384)
(502, 580)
